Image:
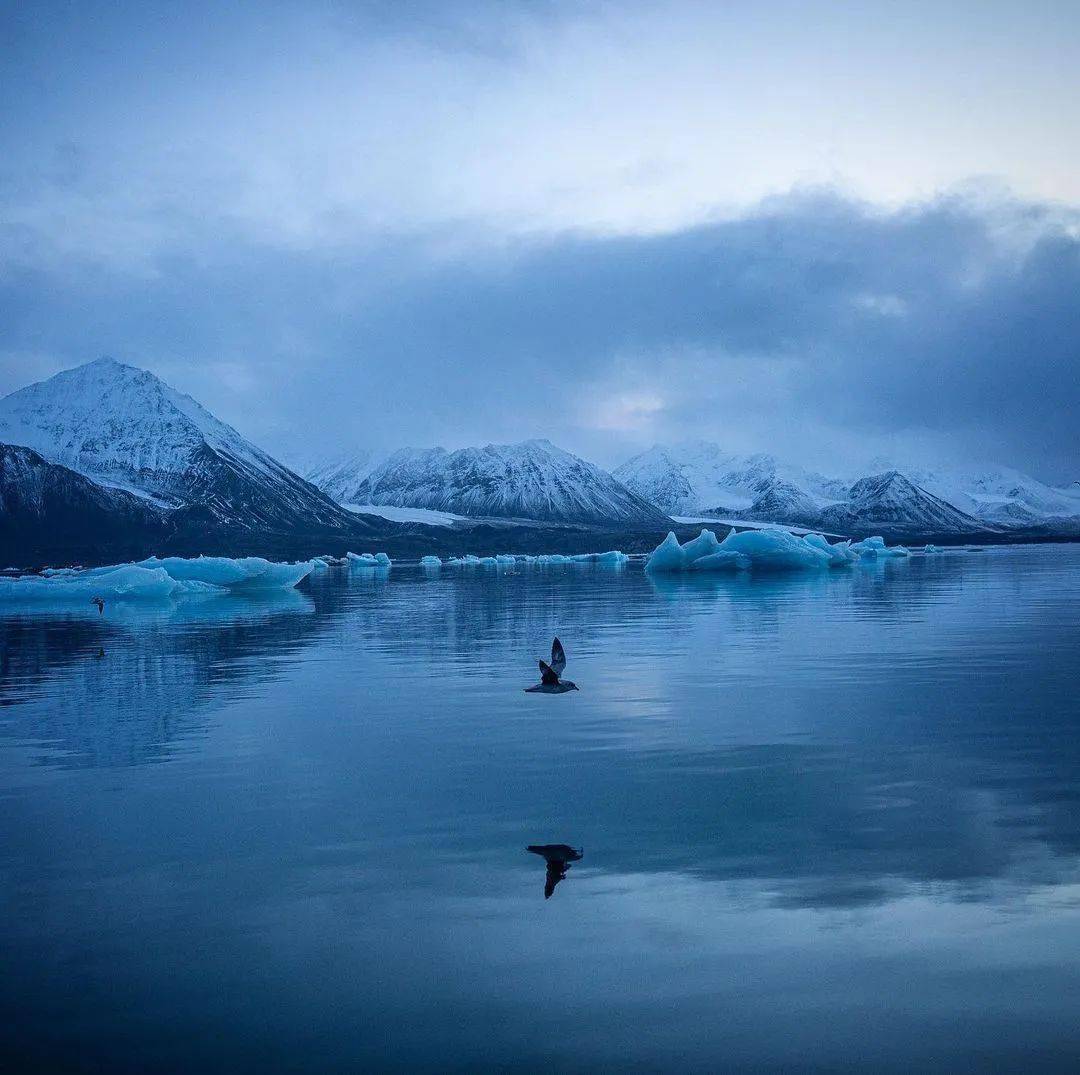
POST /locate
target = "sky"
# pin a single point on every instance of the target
(820, 229)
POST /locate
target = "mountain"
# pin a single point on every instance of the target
(39, 498)
(1000, 496)
(531, 480)
(124, 428)
(782, 501)
(696, 477)
(891, 502)
(700, 478)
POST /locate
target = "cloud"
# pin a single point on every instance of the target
(755, 331)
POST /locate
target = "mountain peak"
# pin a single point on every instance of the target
(123, 426)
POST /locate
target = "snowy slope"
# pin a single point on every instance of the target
(38, 498)
(892, 502)
(700, 477)
(124, 427)
(531, 480)
(999, 495)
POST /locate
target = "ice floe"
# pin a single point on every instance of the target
(367, 559)
(774, 550)
(156, 578)
(872, 548)
(430, 561)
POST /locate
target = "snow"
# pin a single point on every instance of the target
(700, 479)
(770, 550)
(530, 480)
(154, 578)
(407, 515)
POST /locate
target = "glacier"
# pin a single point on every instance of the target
(156, 578)
(768, 550)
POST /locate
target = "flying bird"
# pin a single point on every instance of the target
(559, 858)
(550, 683)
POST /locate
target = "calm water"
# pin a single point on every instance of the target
(829, 821)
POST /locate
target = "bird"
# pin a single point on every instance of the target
(559, 858)
(100, 604)
(550, 683)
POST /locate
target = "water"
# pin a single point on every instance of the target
(829, 821)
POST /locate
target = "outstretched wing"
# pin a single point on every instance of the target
(558, 657)
(548, 676)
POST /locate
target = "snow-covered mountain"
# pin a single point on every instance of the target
(40, 500)
(531, 480)
(697, 476)
(1000, 496)
(123, 427)
(700, 478)
(891, 502)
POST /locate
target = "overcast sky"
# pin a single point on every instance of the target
(820, 229)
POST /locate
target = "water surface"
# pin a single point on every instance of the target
(829, 821)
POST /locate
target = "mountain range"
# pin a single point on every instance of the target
(700, 478)
(531, 480)
(108, 452)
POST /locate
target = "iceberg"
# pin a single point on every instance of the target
(249, 573)
(505, 558)
(430, 561)
(873, 547)
(769, 550)
(775, 550)
(838, 554)
(113, 583)
(613, 556)
(157, 578)
(367, 559)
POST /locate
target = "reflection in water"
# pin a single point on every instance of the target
(801, 794)
(559, 858)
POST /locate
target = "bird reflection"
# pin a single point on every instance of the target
(559, 858)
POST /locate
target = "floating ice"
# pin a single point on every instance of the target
(611, 557)
(249, 573)
(931, 548)
(154, 578)
(773, 550)
(505, 558)
(367, 559)
(113, 583)
(839, 554)
(430, 561)
(872, 548)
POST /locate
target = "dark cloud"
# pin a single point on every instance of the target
(811, 321)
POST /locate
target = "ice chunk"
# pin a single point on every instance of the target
(839, 554)
(611, 557)
(249, 573)
(124, 582)
(872, 548)
(931, 548)
(367, 559)
(430, 561)
(505, 558)
(667, 556)
(759, 549)
(775, 550)
(721, 561)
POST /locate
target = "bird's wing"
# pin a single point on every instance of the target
(548, 676)
(558, 657)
